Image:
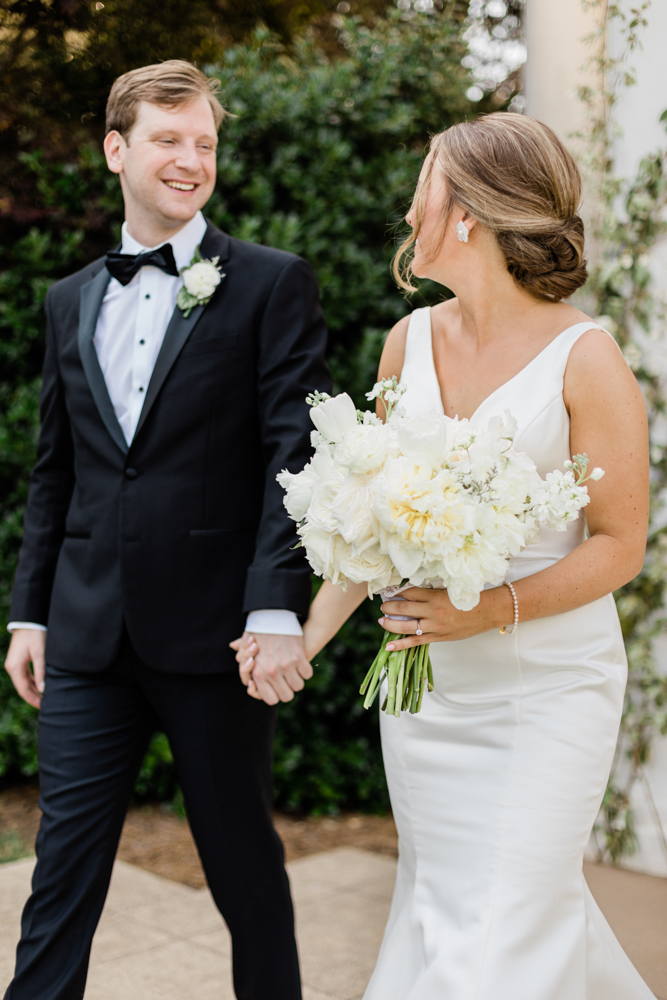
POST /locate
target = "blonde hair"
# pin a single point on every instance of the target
(516, 178)
(167, 84)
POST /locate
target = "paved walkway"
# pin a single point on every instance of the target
(159, 940)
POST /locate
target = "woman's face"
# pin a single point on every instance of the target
(426, 264)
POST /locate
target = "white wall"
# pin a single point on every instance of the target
(556, 55)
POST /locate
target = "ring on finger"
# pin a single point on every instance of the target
(419, 627)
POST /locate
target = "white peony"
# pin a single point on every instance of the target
(424, 439)
(202, 279)
(299, 487)
(351, 510)
(335, 417)
(365, 447)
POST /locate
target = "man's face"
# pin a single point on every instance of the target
(167, 163)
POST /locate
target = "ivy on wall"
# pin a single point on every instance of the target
(628, 221)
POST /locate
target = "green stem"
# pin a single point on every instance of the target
(392, 675)
(399, 683)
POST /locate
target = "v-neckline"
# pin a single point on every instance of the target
(503, 384)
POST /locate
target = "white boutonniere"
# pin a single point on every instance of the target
(200, 280)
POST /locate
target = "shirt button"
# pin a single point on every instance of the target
(131, 473)
(147, 295)
(141, 388)
(142, 341)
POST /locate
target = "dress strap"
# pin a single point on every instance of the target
(419, 374)
(565, 341)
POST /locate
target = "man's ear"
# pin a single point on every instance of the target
(114, 150)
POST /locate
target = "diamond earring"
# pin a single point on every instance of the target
(462, 232)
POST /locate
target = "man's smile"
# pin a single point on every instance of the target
(181, 185)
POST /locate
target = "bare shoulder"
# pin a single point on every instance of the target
(393, 353)
(598, 373)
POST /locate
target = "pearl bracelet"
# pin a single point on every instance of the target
(509, 629)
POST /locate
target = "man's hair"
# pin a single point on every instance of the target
(166, 84)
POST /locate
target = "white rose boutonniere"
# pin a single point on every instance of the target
(200, 280)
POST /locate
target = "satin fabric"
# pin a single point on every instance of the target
(496, 784)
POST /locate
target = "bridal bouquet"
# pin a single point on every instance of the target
(420, 501)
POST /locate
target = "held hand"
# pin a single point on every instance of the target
(27, 647)
(440, 621)
(272, 667)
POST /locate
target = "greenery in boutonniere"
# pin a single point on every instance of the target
(200, 280)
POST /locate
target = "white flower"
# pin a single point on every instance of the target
(424, 439)
(597, 473)
(351, 510)
(299, 488)
(423, 499)
(201, 279)
(335, 417)
(365, 447)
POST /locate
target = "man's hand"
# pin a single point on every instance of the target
(26, 648)
(272, 667)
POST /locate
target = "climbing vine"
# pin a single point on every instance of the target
(627, 220)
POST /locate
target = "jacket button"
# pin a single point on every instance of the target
(131, 473)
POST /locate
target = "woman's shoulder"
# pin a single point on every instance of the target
(393, 352)
(596, 368)
(594, 346)
(393, 355)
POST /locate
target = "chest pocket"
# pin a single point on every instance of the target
(226, 344)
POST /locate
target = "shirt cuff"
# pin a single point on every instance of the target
(14, 625)
(272, 621)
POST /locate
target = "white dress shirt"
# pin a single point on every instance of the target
(131, 325)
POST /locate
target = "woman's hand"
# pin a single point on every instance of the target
(440, 621)
(246, 649)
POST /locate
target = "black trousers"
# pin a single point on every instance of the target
(93, 733)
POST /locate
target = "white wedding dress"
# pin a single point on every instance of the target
(496, 784)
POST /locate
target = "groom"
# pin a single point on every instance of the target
(154, 525)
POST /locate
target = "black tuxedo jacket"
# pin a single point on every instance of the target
(184, 531)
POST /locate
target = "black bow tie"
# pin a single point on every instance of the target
(124, 266)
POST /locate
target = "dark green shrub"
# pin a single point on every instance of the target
(321, 160)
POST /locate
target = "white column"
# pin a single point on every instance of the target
(555, 65)
(557, 62)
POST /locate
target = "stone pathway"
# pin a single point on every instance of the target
(160, 940)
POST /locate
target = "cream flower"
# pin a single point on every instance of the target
(202, 279)
(335, 417)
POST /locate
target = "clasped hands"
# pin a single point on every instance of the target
(272, 667)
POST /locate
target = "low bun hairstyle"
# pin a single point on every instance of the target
(516, 178)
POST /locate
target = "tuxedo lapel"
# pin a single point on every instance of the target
(214, 244)
(91, 296)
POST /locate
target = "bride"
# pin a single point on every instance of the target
(496, 784)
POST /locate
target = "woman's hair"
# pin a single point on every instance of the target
(516, 178)
(168, 84)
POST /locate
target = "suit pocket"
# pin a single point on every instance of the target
(213, 532)
(204, 532)
(81, 536)
(227, 344)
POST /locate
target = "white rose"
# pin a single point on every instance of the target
(335, 417)
(202, 279)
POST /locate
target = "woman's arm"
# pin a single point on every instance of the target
(608, 422)
(393, 356)
(328, 613)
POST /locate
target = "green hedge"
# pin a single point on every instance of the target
(321, 160)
